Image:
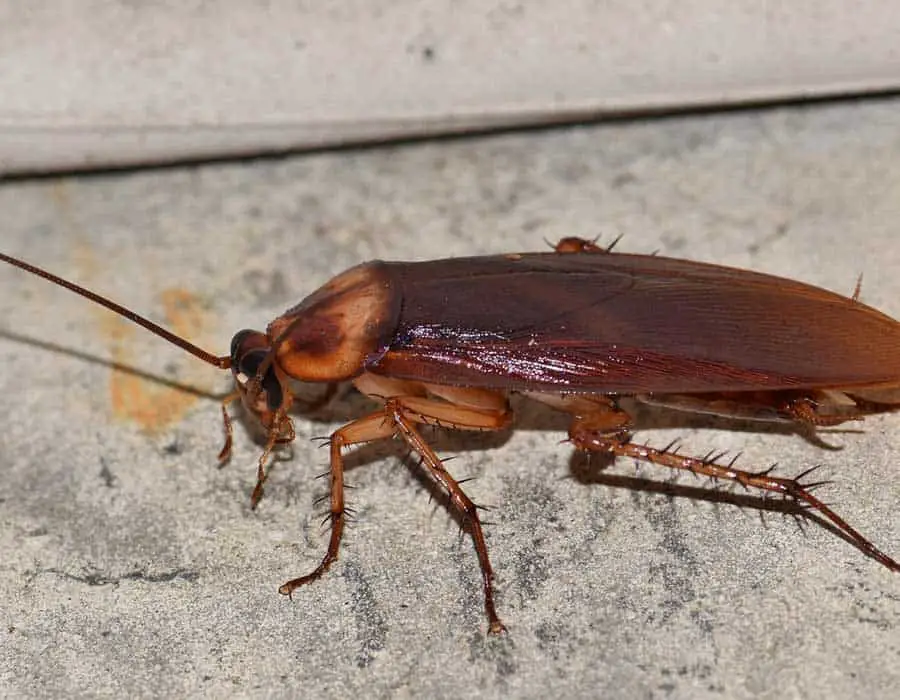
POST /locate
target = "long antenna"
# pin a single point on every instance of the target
(223, 362)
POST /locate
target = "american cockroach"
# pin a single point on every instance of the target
(445, 343)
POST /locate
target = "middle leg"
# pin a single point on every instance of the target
(469, 410)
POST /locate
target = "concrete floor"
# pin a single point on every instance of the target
(133, 566)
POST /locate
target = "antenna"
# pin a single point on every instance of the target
(223, 362)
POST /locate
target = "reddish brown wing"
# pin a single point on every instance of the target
(626, 324)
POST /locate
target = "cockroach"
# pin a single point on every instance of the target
(446, 342)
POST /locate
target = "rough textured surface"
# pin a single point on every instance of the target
(132, 565)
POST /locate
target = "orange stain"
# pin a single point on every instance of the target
(133, 398)
(151, 405)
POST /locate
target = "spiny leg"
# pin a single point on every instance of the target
(407, 411)
(225, 452)
(281, 433)
(371, 427)
(461, 408)
(574, 244)
(761, 480)
(598, 426)
(811, 411)
(398, 418)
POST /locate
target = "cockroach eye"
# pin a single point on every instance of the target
(247, 367)
(237, 343)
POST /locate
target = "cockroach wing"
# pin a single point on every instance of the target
(619, 323)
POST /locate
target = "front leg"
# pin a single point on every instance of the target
(371, 427)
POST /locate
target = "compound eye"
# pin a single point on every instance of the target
(248, 364)
(237, 343)
(247, 368)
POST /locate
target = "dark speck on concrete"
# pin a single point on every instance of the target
(173, 448)
(109, 479)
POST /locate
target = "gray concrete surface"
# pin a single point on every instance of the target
(133, 566)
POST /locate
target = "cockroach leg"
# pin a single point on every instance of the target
(398, 417)
(405, 412)
(573, 244)
(225, 452)
(791, 488)
(366, 429)
(281, 433)
(809, 409)
(607, 430)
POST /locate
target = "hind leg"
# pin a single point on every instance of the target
(598, 425)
